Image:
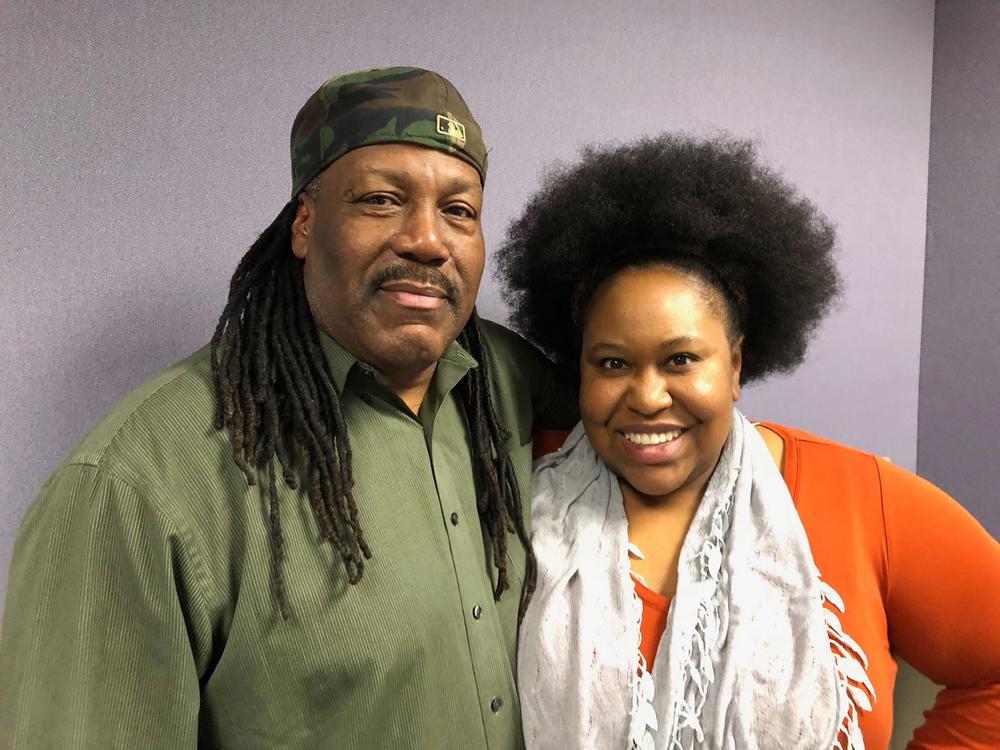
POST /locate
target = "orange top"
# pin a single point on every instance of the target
(655, 608)
(919, 578)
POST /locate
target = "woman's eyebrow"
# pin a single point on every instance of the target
(668, 344)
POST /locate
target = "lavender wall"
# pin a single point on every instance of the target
(143, 146)
(959, 407)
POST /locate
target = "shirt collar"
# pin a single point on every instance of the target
(341, 362)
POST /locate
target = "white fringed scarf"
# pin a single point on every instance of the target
(753, 657)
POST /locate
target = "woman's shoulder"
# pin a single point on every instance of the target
(830, 480)
(804, 451)
(799, 436)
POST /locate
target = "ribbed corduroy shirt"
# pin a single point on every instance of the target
(141, 612)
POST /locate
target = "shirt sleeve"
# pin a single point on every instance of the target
(555, 394)
(101, 622)
(944, 609)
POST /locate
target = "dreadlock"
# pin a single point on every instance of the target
(276, 397)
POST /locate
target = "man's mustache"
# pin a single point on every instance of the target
(416, 274)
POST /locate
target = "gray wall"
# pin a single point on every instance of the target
(144, 145)
(960, 354)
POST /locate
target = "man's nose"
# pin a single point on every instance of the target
(649, 392)
(420, 238)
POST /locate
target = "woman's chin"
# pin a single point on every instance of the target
(650, 488)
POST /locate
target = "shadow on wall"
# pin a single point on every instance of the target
(913, 695)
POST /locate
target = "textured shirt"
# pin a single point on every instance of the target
(141, 609)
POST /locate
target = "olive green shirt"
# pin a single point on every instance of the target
(141, 612)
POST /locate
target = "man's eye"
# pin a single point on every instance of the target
(613, 363)
(379, 199)
(461, 210)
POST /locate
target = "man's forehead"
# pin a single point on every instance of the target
(385, 106)
(403, 163)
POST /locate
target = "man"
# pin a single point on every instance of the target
(309, 534)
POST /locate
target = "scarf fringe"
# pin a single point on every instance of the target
(856, 691)
(699, 670)
(577, 506)
(850, 662)
(643, 721)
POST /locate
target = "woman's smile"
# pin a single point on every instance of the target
(653, 444)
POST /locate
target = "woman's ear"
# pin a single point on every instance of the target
(737, 367)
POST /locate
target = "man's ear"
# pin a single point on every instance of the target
(737, 364)
(302, 225)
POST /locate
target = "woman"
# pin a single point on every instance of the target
(704, 581)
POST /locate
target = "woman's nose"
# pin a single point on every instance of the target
(649, 392)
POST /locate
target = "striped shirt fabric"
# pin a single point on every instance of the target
(141, 612)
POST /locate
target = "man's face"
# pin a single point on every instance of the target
(393, 250)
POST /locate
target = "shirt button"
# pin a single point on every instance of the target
(496, 704)
(454, 519)
(477, 612)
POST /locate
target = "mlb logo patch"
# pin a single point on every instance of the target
(451, 127)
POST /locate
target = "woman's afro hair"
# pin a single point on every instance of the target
(706, 205)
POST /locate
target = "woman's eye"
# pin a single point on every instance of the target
(680, 360)
(613, 363)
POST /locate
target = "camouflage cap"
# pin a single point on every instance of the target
(385, 105)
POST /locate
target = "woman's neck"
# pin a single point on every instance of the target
(658, 525)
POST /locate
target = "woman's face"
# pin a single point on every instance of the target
(658, 378)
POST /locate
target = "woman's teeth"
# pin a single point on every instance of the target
(652, 438)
